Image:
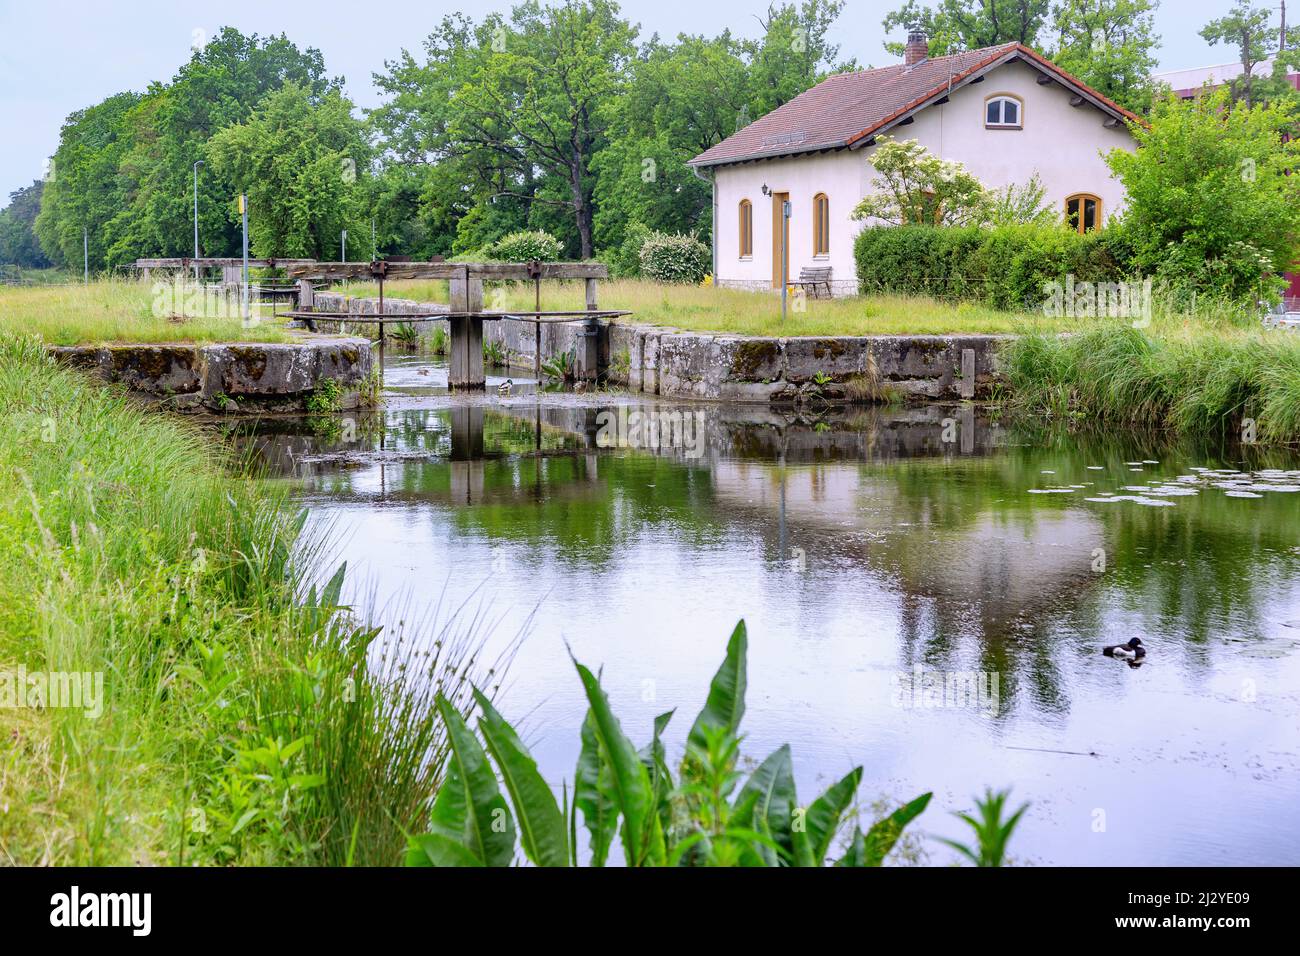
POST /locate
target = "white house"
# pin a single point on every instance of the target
(1004, 112)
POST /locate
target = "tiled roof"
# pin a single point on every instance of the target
(848, 107)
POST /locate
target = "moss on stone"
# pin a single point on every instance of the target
(753, 354)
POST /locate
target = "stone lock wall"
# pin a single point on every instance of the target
(247, 376)
(702, 365)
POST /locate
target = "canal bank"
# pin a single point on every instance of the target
(676, 363)
(322, 374)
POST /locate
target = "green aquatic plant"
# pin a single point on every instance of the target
(495, 353)
(406, 335)
(438, 341)
(705, 817)
(992, 832)
(560, 366)
(325, 397)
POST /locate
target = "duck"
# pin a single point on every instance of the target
(1132, 650)
(505, 387)
(579, 386)
(422, 371)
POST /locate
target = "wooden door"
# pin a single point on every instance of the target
(780, 226)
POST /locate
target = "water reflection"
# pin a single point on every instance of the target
(868, 551)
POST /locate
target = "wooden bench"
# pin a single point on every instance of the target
(814, 281)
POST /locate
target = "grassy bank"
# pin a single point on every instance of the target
(112, 310)
(710, 309)
(1190, 379)
(417, 290)
(238, 721)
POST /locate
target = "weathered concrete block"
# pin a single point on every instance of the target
(157, 369)
(277, 376)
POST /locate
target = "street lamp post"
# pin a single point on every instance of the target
(196, 219)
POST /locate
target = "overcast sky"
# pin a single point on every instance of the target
(56, 57)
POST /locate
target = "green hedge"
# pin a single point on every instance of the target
(1005, 267)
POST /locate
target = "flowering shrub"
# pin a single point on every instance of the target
(676, 258)
(527, 246)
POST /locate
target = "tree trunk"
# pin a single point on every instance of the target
(581, 207)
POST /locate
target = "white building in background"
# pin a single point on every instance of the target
(1003, 112)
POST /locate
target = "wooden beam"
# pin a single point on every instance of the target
(446, 270)
(212, 263)
(1076, 101)
(1044, 79)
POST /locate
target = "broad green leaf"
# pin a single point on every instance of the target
(329, 597)
(856, 854)
(725, 705)
(655, 758)
(882, 836)
(812, 839)
(434, 849)
(593, 794)
(628, 778)
(773, 781)
(541, 824)
(469, 808)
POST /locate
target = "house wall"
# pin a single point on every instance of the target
(1064, 145)
(842, 176)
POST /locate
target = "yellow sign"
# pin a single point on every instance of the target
(242, 200)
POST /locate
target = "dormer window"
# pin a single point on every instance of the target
(1004, 111)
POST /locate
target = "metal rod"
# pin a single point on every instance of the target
(243, 209)
(196, 219)
(537, 330)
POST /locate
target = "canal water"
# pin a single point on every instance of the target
(927, 594)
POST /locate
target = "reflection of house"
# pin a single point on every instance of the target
(1004, 112)
(992, 565)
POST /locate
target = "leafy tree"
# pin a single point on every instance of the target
(299, 162)
(918, 188)
(956, 25)
(18, 242)
(1250, 30)
(84, 190)
(795, 50)
(1110, 45)
(1023, 203)
(124, 167)
(537, 98)
(1212, 202)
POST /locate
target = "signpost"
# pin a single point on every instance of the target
(243, 212)
(785, 262)
(196, 218)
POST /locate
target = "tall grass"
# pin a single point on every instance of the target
(736, 311)
(1182, 379)
(248, 717)
(118, 310)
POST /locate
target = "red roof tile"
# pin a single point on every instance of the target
(848, 107)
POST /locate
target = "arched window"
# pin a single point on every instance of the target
(746, 229)
(1083, 212)
(1004, 111)
(821, 225)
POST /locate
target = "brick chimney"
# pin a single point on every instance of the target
(918, 48)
